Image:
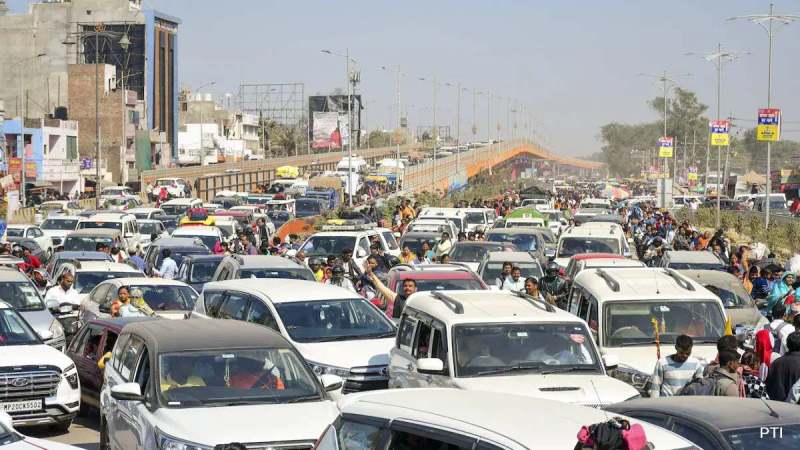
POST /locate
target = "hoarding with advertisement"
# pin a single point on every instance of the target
(326, 130)
(665, 145)
(720, 136)
(337, 104)
(769, 125)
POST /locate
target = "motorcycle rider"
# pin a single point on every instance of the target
(40, 280)
(553, 287)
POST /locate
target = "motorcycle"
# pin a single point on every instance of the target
(68, 315)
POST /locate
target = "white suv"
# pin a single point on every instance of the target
(599, 237)
(500, 342)
(623, 307)
(357, 238)
(452, 419)
(39, 385)
(335, 330)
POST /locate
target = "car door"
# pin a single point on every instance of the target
(260, 314)
(695, 433)
(439, 350)
(400, 359)
(420, 349)
(140, 412)
(85, 353)
(119, 414)
(235, 306)
(90, 308)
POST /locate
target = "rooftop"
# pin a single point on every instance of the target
(165, 336)
(641, 284)
(284, 290)
(485, 306)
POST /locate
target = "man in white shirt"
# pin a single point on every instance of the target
(169, 268)
(444, 246)
(514, 282)
(63, 292)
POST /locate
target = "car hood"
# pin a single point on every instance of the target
(39, 320)
(38, 444)
(573, 388)
(348, 354)
(248, 423)
(643, 358)
(31, 355)
(748, 316)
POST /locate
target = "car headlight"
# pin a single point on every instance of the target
(57, 330)
(71, 375)
(635, 378)
(322, 369)
(167, 442)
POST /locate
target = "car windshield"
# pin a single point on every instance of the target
(523, 242)
(15, 232)
(86, 281)
(175, 210)
(147, 228)
(415, 244)
(21, 295)
(100, 224)
(472, 253)
(632, 323)
(179, 253)
(328, 245)
(14, 330)
(203, 271)
(475, 218)
(777, 204)
(307, 207)
(141, 216)
(511, 223)
(495, 349)
(59, 224)
(732, 294)
(765, 437)
(289, 274)
(167, 298)
(453, 284)
(208, 240)
(86, 243)
(695, 266)
(575, 245)
(333, 320)
(277, 215)
(234, 377)
(491, 272)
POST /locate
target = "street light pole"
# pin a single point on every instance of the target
(349, 183)
(21, 142)
(766, 22)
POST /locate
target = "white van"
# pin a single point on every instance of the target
(356, 164)
(596, 203)
(777, 203)
(623, 307)
(479, 219)
(123, 222)
(179, 206)
(457, 215)
(592, 237)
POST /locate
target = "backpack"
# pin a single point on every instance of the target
(700, 386)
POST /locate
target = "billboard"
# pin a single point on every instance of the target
(665, 145)
(720, 136)
(326, 132)
(769, 124)
(337, 104)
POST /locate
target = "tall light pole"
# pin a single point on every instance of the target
(398, 126)
(21, 142)
(719, 59)
(766, 21)
(458, 125)
(435, 129)
(347, 58)
(202, 147)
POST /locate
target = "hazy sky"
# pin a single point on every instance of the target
(574, 64)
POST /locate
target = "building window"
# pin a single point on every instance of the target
(72, 148)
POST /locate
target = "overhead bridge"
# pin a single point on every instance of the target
(443, 173)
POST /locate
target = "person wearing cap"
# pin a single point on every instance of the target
(338, 279)
(39, 280)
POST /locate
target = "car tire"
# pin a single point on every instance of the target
(63, 427)
(104, 444)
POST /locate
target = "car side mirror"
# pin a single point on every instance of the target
(610, 361)
(331, 382)
(361, 253)
(128, 392)
(430, 366)
(103, 308)
(45, 335)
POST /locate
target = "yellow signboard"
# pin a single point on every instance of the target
(691, 176)
(769, 125)
(719, 133)
(665, 147)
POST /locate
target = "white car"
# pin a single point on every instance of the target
(453, 419)
(169, 299)
(175, 187)
(88, 274)
(11, 439)
(526, 347)
(145, 213)
(30, 232)
(149, 228)
(621, 305)
(592, 237)
(40, 384)
(123, 222)
(179, 206)
(208, 234)
(56, 208)
(58, 227)
(335, 330)
(356, 238)
(111, 192)
(195, 384)
(555, 220)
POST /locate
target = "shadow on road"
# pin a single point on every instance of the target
(84, 433)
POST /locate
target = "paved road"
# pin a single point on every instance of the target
(83, 433)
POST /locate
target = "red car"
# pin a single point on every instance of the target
(432, 277)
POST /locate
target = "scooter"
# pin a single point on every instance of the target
(68, 315)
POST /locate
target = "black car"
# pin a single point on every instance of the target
(729, 423)
(180, 247)
(197, 270)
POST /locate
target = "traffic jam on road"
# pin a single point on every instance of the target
(420, 321)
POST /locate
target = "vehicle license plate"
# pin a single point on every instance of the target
(27, 405)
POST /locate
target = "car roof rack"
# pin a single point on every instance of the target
(680, 281)
(610, 281)
(449, 301)
(536, 301)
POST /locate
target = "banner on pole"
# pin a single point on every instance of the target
(326, 130)
(769, 125)
(665, 145)
(720, 133)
